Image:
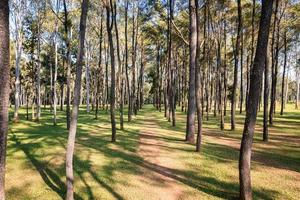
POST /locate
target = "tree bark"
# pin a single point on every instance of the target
(236, 63)
(68, 62)
(283, 74)
(198, 90)
(126, 63)
(18, 54)
(87, 76)
(254, 92)
(38, 82)
(274, 48)
(109, 26)
(56, 66)
(100, 71)
(190, 123)
(266, 99)
(76, 102)
(4, 89)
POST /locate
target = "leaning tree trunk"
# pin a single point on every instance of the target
(76, 102)
(252, 106)
(190, 123)
(4, 89)
(236, 63)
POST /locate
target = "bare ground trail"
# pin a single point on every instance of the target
(157, 170)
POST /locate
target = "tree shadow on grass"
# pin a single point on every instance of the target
(205, 184)
(85, 166)
(49, 177)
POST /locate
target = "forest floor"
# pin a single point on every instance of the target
(150, 159)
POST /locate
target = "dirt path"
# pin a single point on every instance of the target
(157, 172)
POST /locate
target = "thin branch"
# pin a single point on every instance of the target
(179, 33)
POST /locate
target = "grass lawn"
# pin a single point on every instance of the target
(150, 160)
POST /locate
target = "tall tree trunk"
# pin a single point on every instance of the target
(4, 89)
(266, 98)
(87, 76)
(225, 69)
(109, 26)
(18, 52)
(236, 63)
(283, 74)
(120, 67)
(274, 47)
(126, 63)
(142, 79)
(254, 92)
(76, 102)
(242, 73)
(190, 123)
(100, 71)
(252, 49)
(106, 79)
(198, 90)
(56, 66)
(68, 62)
(38, 82)
(171, 67)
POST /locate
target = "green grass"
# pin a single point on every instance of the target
(36, 152)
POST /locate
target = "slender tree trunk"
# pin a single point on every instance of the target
(283, 74)
(4, 89)
(76, 102)
(171, 68)
(126, 63)
(109, 25)
(87, 77)
(286, 88)
(62, 94)
(38, 83)
(242, 73)
(198, 90)
(120, 67)
(236, 63)
(18, 53)
(99, 79)
(274, 61)
(297, 91)
(68, 59)
(142, 79)
(56, 66)
(252, 50)
(106, 79)
(254, 92)
(27, 105)
(266, 99)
